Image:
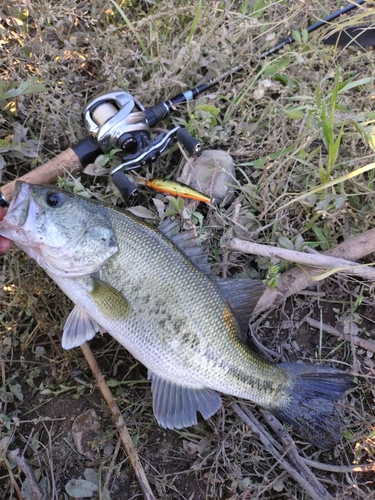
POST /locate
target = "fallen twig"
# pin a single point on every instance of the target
(293, 281)
(343, 469)
(292, 451)
(120, 423)
(305, 259)
(112, 464)
(316, 490)
(354, 339)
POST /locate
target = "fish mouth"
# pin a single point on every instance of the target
(22, 213)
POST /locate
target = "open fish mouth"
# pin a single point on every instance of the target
(21, 217)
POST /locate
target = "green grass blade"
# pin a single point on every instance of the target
(129, 24)
(327, 185)
(334, 150)
(195, 21)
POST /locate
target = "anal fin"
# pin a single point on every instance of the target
(78, 328)
(176, 406)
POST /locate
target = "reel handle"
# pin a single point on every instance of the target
(191, 144)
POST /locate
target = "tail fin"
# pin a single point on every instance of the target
(311, 410)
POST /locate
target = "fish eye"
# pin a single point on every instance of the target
(54, 199)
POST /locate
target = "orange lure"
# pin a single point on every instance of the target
(174, 188)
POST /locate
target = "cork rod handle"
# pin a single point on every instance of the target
(66, 162)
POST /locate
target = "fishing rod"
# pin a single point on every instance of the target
(191, 94)
(149, 151)
(116, 120)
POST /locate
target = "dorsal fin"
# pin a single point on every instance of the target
(188, 242)
(243, 295)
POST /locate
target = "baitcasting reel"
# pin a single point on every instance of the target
(119, 121)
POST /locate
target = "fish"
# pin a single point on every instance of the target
(153, 290)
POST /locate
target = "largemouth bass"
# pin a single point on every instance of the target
(152, 291)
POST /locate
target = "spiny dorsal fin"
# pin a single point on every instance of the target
(243, 295)
(188, 242)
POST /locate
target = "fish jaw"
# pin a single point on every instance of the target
(19, 222)
(14, 225)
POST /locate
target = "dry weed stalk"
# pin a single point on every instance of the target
(358, 341)
(305, 259)
(296, 468)
(120, 423)
(19, 459)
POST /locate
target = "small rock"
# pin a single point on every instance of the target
(212, 173)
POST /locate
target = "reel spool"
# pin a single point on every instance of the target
(114, 119)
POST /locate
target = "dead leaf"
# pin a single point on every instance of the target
(85, 428)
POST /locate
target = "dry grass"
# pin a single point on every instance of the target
(69, 51)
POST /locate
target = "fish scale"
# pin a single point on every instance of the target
(193, 324)
(153, 292)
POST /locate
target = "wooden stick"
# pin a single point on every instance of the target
(354, 339)
(120, 424)
(343, 469)
(13, 481)
(292, 451)
(111, 467)
(293, 281)
(305, 259)
(15, 456)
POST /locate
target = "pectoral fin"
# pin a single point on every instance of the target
(176, 406)
(79, 328)
(110, 302)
